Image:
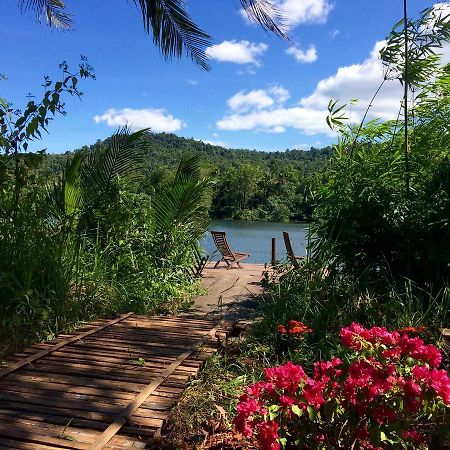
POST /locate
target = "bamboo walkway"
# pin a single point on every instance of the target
(112, 384)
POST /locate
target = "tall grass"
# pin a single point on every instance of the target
(327, 303)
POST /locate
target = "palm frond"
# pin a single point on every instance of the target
(173, 30)
(122, 158)
(266, 14)
(65, 196)
(73, 197)
(54, 12)
(182, 202)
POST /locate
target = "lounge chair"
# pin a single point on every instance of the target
(199, 263)
(294, 259)
(230, 257)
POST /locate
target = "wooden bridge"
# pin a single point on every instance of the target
(112, 384)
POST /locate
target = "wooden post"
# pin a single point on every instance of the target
(274, 251)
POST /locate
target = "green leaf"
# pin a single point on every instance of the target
(311, 412)
(297, 411)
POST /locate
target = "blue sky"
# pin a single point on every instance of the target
(262, 92)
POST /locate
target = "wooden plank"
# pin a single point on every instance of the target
(122, 419)
(104, 355)
(35, 357)
(11, 431)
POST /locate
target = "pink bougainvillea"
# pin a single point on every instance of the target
(389, 382)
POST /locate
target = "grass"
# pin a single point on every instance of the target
(207, 407)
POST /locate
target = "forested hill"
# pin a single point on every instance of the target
(250, 184)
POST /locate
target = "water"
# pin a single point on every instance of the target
(256, 238)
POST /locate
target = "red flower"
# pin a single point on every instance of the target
(296, 327)
(282, 329)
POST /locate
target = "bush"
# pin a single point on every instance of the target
(385, 391)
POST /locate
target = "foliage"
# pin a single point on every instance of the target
(309, 294)
(249, 185)
(384, 203)
(88, 241)
(208, 404)
(383, 393)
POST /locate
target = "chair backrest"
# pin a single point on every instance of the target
(220, 239)
(289, 251)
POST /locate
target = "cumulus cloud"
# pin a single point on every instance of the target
(359, 81)
(303, 56)
(296, 12)
(308, 115)
(309, 121)
(264, 110)
(214, 142)
(305, 11)
(239, 52)
(244, 101)
(156, 119)
(258, 98)
(280, 93)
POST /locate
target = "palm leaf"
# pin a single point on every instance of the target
(65, 197)
(52, 10)
(266, 14)
(173, 30)
(73, 197)
(123, 158)
(182, 202)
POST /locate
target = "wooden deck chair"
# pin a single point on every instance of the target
(199, 263)
(230, 257)
(294, 259)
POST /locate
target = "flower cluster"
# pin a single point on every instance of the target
(389, 381)
(294, 328)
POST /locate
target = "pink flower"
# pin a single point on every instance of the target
(286, 400)
(268, 435)
(285, 377)
(326, 370)
(313, 392)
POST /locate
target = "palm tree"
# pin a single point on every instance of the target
(168, 21)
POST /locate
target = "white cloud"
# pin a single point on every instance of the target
(218, 143)
(334, 34)
(309, 121)
(296, 12)
(354, 81)
(280, 93)
(304, 11)
(242, 52)
(191, 82)
(303, 56)
(359, 81)
(244, 101)
(156, 119)
(258, 98)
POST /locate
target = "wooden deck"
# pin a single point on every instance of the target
(112, 384)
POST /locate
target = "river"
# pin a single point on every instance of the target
(256, 238)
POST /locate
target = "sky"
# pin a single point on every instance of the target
(262, 92)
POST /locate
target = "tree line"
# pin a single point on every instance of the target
(248, 184)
